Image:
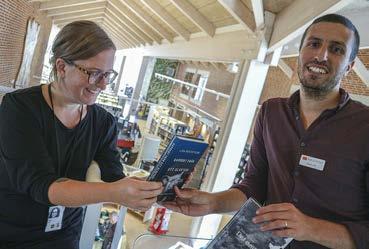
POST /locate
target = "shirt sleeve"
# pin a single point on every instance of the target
(359, 230)
(23, 152)
(108, 156)
(255, 182)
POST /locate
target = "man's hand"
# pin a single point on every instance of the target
(285, 220)
(191, 202)
(135, 193)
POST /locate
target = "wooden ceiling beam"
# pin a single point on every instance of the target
(92, 17)
(119, 45)
(361, 71)
(135, 8)
(116, 39)
(296, 17)
(167, 18)
(204, 64)
(122, 33)
(124, 26)
(58, 4)
(117, 35)
(195, 16)
(81, 15)
(134, 29)
(76, 9)
(288, 71)
(98, 21)
(196, 63)
(258, 10)
(215, 65)
(122, 30)
(135, 20)
(240, 12)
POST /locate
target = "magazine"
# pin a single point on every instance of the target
(240, 232)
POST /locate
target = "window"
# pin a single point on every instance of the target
(201, 81)
(188, 78)
(170, 71)
(198, 78)
(24, 74)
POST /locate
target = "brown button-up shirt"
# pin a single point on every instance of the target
(339, 136)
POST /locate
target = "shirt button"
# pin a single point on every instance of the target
(302, 144)
(295, 200)
(296, 173)
(297, 117)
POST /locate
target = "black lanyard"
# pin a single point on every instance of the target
(57, 138)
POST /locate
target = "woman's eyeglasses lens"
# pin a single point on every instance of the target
(96, 77)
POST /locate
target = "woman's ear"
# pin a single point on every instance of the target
(60, 68)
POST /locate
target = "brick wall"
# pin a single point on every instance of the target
(14, 15)
(278, 84)
(219, 80)
(352, 83)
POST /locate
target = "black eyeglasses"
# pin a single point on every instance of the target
(95, 76)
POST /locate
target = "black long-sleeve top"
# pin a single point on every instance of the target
(30, 161)
(340, 136)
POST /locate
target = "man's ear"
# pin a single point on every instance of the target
(349, 67)
(60, 67)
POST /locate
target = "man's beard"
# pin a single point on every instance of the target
(321, 90)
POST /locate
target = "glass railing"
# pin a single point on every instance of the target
(148, 241)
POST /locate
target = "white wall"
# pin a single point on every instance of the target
(224, 47)
(131, 68)
(360, 98)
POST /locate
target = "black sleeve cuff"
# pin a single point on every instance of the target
(359, 232)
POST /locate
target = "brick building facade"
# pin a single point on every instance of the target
(279, 85)
(14, 15)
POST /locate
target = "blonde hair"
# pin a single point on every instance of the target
(79, 40)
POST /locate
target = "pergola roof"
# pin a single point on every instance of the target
(134, 23)
(207, 30)
(145, 23)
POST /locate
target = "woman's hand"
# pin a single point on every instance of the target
(135, 193)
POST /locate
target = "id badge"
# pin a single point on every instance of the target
(54, 218)
(312, 162)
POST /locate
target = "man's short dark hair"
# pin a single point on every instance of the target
(337, 19)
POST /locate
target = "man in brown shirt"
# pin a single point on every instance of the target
(309, 161)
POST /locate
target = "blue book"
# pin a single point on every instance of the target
(176, 164)
(241, 233)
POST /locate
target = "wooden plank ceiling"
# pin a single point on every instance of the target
(135, 23)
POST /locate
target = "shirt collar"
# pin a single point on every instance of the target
(294, 100)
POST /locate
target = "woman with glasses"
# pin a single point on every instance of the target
(50, 134)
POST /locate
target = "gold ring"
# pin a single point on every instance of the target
(285, 224)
